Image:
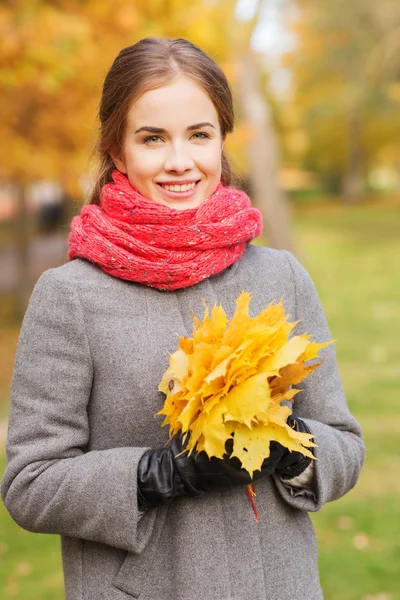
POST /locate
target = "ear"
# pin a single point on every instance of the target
(118, 161)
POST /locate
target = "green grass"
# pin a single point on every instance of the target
(352, 255)
(359, 544)
(29, 563)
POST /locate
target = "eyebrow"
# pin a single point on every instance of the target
(160, 130)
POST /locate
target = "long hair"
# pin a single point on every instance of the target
(151, 63)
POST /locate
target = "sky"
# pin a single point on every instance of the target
(270, 37)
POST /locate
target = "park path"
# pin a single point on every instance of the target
(44, 252)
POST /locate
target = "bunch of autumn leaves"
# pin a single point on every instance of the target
(230, 379)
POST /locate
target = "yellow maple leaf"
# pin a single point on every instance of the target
(230, 379)
(178, 370)
(246, 399)
(236, 330)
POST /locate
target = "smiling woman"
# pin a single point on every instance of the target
(87, 458)
(179, 165)
(168, 89)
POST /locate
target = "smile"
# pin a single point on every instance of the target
(179, 188)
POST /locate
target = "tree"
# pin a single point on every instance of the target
(344, 68)
(264, 158)
(258, 135)
(50, 83)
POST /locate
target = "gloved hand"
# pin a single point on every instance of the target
(169, 472)
(293, 464)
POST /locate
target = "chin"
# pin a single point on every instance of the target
(181, 204)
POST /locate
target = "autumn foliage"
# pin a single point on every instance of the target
(53, 60)
(229, 381)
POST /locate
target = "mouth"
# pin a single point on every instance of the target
(179, 187)
(174, 190)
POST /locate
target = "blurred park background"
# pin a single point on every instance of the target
(317, 145)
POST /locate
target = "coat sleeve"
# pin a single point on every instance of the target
(322, 404)
(52, 484)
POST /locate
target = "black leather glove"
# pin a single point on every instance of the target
(167, 473)
(293, 463)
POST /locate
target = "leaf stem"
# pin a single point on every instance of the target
(251, 492)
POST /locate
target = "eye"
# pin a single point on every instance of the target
(151, 139)
(202, 134)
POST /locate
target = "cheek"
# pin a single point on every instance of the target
(210, 161)
(143, 164)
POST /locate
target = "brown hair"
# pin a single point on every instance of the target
(149, 64)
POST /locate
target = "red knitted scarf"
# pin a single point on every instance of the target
(134, 238)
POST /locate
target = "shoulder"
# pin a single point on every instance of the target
(73, 272)
(277, 263)
(268, 257)
(262, 259)
(263, 254)
(54, 303)
(267, 268)
(63, 286)
(74, 277)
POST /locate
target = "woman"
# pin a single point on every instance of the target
(87, 458)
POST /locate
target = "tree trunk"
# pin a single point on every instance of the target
(264, 158)
(353, 180)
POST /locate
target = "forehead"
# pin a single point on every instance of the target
(182, 102)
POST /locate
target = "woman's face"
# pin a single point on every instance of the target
(172, 145)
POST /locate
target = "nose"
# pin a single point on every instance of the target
(178, 159)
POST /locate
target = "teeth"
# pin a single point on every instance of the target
(179, 188)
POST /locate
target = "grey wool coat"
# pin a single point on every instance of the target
(91, 353)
